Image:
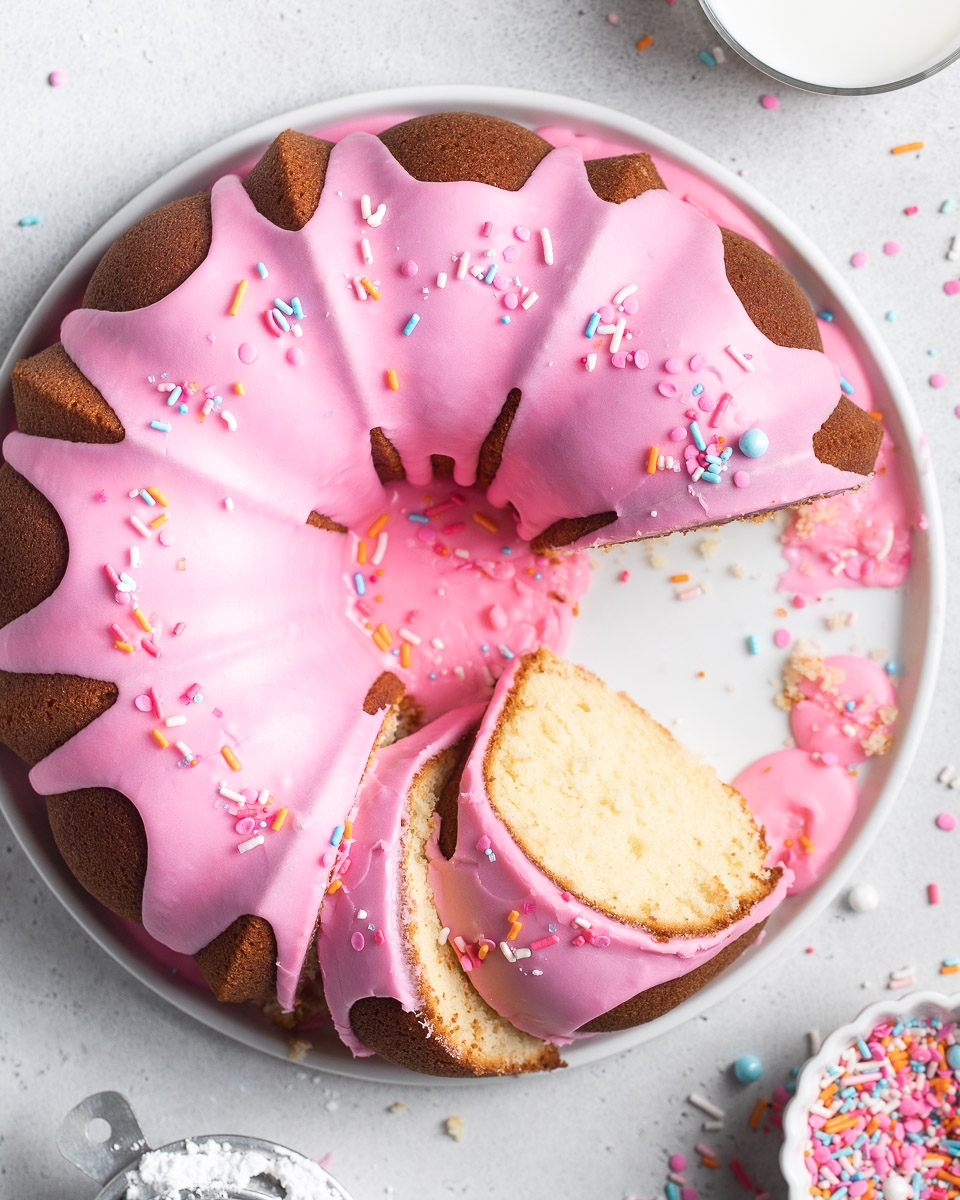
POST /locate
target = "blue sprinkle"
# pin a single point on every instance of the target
(297, 307)
(726, 453)
(163, 426)
(712, 458)
(182, 408)
(505, 651)
(673, 1192)
(697, 389)
(262, 271)
(850, 706)
(890, 668)
(891, 315)
(710, 477)
(516, 280)
(336, 836)
(34, 219)
(950, 962)
(932, 351)
(485, 648)
(147, 498)
(175, 395)
(706, 57)
(281, 320)
(538, 575)
(947, 205)
(592, 324)
(418, 518)
(263, 824)
(506, 550)
(359, 584)
(752, 645)
(217, 400)
(491, 274)
(825, 316)
(411, 325)
(395, 652)
(432, 675)
(697, 436)
(504, 320)
(283, 306)
(846, 386)
(198, 697)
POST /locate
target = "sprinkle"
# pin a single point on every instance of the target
(174, 395)
(739, 358)
(184, 749)
(704, 1105)
(858, 259)
(160, 739)
(262, 270)
(162, 426)
(411, 324)
(251, 844)
(933, 893)
(652, 459)
(229, 420)
(906, 147)
(238, 297)
(463, 264)
(33, 219)
(158, 521)
(229, 794)
(230, 758)
(375, 218)
(624, 293)
(752, 644)
(590, 362)
(547, 246)
(544, 942)
(140, 527)
(405, 653)
(770, 102)
(530, 301)
(592, 324)
(157, 495)
(846, 386)
(369, 288)
(334, 887)
(359, 584)
(645, 42)
(486, 522)
(757, 1115)
(377, 557)
(707, 58)
(384, 633)
(697, 435)
(365, 209)
(507, 952)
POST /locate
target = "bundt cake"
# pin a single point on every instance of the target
(198, 460)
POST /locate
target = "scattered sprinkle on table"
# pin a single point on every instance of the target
(770, 102)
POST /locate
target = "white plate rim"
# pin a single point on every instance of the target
(532, 108)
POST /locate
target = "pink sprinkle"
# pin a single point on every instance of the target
(501, 283)
(891, 248)
(409, 268)
(624, 576)
(678, 434)
(673, 366)
(178, 628)
(56, 79)
(911, 210)
(698, 362)
(144, 703)
(579, 940)
(521, 233)
(952, 286)
(613, 18)
(705, 404)
(946, 821)
(677, 1162)
(483, 844)
(688, 1193)
(859, 259)
(295, 356)
(741, 479)
(357, 940)
(565, 897)
(799, 602)
(511, 253)
(631, 305)
(782, 638)
(666, 388)
(101, 497)
(245, 826)
(247, 353)
(121, 598)
(166, 537)
(933, 893)
(511, 300)
(937, 380)
(829, 759)
(722, 405)
(607, 313)
(325, 1161)
(770, 102)
(640, 359)
(619, 359)
(379, 937)
(542, 943)
(486, 229)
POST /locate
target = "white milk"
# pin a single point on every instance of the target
(844, 43)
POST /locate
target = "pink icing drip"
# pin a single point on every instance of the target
(822, 724)
(587, 971)
(354, 969)
(794, 797)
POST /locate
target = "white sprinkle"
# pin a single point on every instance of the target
(442, 279)
(361, 914)
(459, 943)
(376, 558)
(954, 252)
(712, 1126)
(704, 1105)
(547, 241)
(661, 463)
(617, 335)
(605, 329)
(135, 559)
(228, 503)
(739, 358)
(903, 973)
(444, 934)
(887, 546)
(184, 749)
(254, 841)
(172, 722)
(536, 972)
(229, 793)
(521, 952)
(409, 636)
(697, 473)
(532, 298)
(718, 54)
(836, 568)
(849, 730)
(624, 293)
(229, 420)
(460, 672)
(582, 922)
(374, 220)
(955, 782)
(296, 329)
(946, 774)
(814, 1041)
(508, 954)
(365, 251)
(478, 273)
(463, 264)
(359, 288)
(140, 527)
(436, 643)
(264, 796)
(461, 553)
(365, 209)
(591, 362)
(207, 408)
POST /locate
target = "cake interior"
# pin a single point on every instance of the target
(464, 1024)
(615, 810)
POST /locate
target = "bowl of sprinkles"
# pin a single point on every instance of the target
(876, 1113)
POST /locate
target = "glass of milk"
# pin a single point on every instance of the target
(847, 47)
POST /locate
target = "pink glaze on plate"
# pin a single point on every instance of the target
(824, 723)
(368, 955)
(805, 808)
(581, 963)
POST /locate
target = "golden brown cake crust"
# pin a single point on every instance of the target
(33, 546)
(53, 398)
(39, 713)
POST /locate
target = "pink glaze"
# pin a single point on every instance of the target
(377, 962)
(472, 596)
(573, 974)
(821, 723)
(805, 808)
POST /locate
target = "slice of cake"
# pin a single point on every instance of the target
(391, 978)
(594, 872)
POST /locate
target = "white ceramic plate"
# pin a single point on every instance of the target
(635, 635)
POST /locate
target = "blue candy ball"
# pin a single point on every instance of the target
(953, 1057)
(753, 443)
(748, 1068)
